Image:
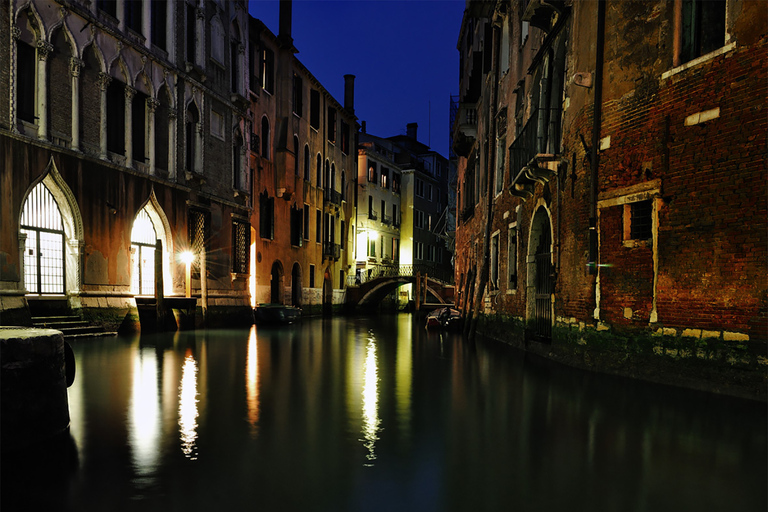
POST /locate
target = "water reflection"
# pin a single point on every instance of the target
(370, 401)
(144, 415)
(188, 406)
(252, 381)
(404, 375)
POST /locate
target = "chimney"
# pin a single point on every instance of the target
(410, 130)
(363, 128)
(349, 93)
(284, 35)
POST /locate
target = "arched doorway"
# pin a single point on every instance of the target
(143, 239)
(296, 285)
(276, 284)
(541, 275)
(44, 248)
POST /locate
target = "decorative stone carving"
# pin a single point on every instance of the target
(16, 31)
(44, 48)
(152, 104)
(130, 92)
(172, 113)
(75, 66)
(104, 80)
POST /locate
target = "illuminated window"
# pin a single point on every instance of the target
(143, 239)
(44, 247)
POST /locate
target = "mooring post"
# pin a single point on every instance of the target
(418, 291)
(159, 298)
(204, 286)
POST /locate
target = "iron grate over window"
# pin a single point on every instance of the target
(240, 246)
(641, 220)
(197, 237)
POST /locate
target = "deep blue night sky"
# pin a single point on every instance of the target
(403, 54)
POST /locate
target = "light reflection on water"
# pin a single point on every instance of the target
(370, 401)
(289, 418)
(188, 407)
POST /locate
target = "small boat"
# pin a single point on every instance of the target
(444, 318)
(271, 313)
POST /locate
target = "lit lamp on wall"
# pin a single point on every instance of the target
(188, 257)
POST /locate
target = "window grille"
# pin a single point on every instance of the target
(641, 220)
(240, 246)
(198, 226)
(44, 248)
(143, 240)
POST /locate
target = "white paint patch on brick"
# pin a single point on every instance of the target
(702, 117)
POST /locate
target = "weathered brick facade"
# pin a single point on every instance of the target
(679, 201)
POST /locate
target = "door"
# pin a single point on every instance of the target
(44, 247)
(544, 288)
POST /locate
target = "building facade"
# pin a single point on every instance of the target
(304, 165)
(606, 150)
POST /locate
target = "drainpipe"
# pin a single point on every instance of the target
(594, 160)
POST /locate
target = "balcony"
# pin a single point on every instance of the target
(386, 219)
(528, 154)
(332, 251)
(372, 215)
(539, 13)
(332, 197)
(464, 127)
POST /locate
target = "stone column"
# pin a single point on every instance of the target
(200, 31)
(44, 48)
(104, 80)
(152, 105)
(130, 92)
(75, 66)
(172, 119)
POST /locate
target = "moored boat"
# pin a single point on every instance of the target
(444, 318)
(270, 313)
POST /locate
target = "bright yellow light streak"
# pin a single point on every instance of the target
(370, 401)
(188, 407)
(144, 413)
(252, 381)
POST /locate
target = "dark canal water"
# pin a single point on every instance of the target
(369, 414)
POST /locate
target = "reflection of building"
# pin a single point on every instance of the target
(302, 157)
(599, 183)
(123, 128)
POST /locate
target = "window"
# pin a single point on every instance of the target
(108, 6)
(266, 216)
(371, 212)
(159, 16)
(199, 230)
(237, 162)
(298, 91)
(139, 131)
(297, 220)
(429, 191)
(311, 276)
(395, 219)
(641, 220)
(430, 252)
(372, 247)
(419, 188)
(241, 234)
(395, 183)
(418, 216)
(418, 250)
(318, 226)
(343, 186)
(254, 56)
(384, 177)
(512, 257)
(133, 11)
(319, 170)
(44, 246)
(143, 240)
(306, 222)
(267, 70)
(344, 138)
(314, 109)
(265, 138)
(702, 28)
(372, 172)
(235, 76)
(331, 124)
(116, 117)
(296, 160)
(192, 137)
(500, 152)
(383, 210)
(217, 40)
(26, 62)
(493, 282)
(191, 33)
(395, 249)
(217, 125)
(307, 169)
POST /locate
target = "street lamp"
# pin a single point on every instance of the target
(188, 257)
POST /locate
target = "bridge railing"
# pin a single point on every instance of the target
(377, 271)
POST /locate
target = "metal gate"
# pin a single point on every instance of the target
(544, 288)
(44, 247)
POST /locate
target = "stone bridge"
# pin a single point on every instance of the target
(376, 283)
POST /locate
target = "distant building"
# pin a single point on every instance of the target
(611, 175)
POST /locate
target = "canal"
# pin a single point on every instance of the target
(375, 413)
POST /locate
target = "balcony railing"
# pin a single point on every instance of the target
(530, 148)
(372, 215)
(386, 219)
(331, 251)
(332, 196)
(444, 275)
